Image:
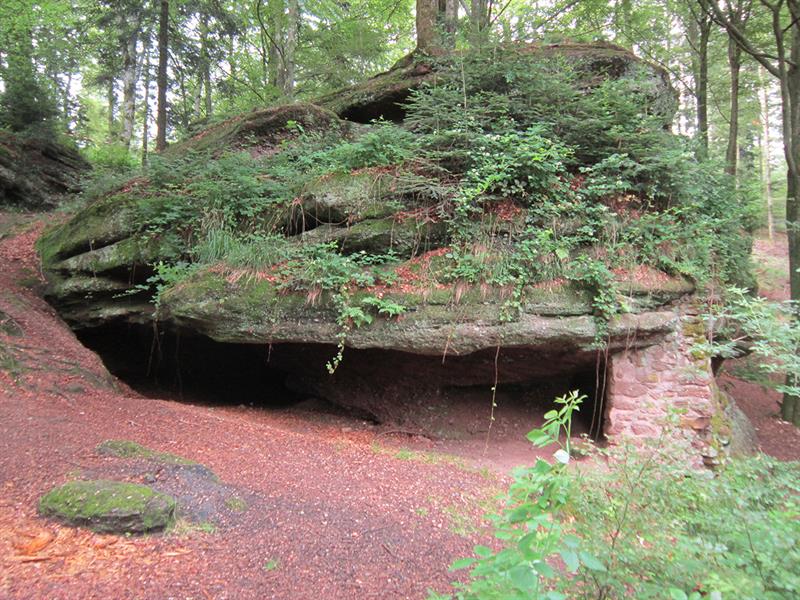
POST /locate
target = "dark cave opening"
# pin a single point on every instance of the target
(389, 107)
(183, 366)
(448, 399)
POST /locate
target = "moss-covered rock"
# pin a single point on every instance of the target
(383, 96)
(261, 131)
(386, 212)
(109, 506)
(347, 198)
(35, 172)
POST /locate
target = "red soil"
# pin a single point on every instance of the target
(332, 515)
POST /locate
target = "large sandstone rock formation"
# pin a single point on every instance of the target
(451, 333)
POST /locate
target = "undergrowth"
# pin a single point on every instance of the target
(647, 528)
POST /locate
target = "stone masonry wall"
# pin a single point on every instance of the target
(646, 385)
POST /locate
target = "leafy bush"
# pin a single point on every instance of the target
(769, 330)
(646, 527)
(662, 532)
(114, 158)
(530, 528)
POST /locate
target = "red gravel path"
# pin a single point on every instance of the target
(329, 517)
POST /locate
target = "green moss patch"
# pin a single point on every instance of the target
(129, 449)
(109, 506)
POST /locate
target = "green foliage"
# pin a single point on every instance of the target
(614, 192)
(645, 528)
(529, 528)
(769, 330)
(113, 158)
(664, 532)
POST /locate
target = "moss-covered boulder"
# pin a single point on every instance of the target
(35, 172)
(384, 95)
(109, 506)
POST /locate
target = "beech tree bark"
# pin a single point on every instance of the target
(428, 39)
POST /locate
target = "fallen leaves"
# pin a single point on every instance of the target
(28, 544)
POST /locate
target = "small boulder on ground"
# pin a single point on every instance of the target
(109, 506)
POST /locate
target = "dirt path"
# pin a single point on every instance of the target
(328, 514)
(776, 437)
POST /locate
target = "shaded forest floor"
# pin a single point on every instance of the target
(327, 506)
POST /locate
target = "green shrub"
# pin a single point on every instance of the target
(646, 527)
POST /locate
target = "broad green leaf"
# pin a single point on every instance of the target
(523, 577)
(544, 569)
(571, 560)
(462, 563)
(591, 563)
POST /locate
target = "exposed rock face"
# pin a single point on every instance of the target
(35, 173)
(383, 95)
(94, 261)
(109, 506)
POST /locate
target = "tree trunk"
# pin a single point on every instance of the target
(111, 100)
(427, 33)
(205, 65)
(790, 100)
(66, 105)
(146, 100)
(288, 62)
(276, 33)
(766, 170)
(702, 87)
(163, 50)
(129, 86)
(196, 97)
(732, 152)
(448, 22)
(478, 21)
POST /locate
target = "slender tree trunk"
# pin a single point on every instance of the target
(163, 50)
(129, 86)
(65, 106)
(732, 152)
(230, 90)
(702, 86)
(146, 100)
(447, 13)
(185, 113)
(196, 97)
(111, 100)
(276, 21)
(288, 62)
(205, 62)
(766, 170)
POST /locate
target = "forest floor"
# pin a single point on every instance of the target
(308, 504)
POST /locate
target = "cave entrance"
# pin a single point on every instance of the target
(444, 399)
(184, 366)
(389, 107)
